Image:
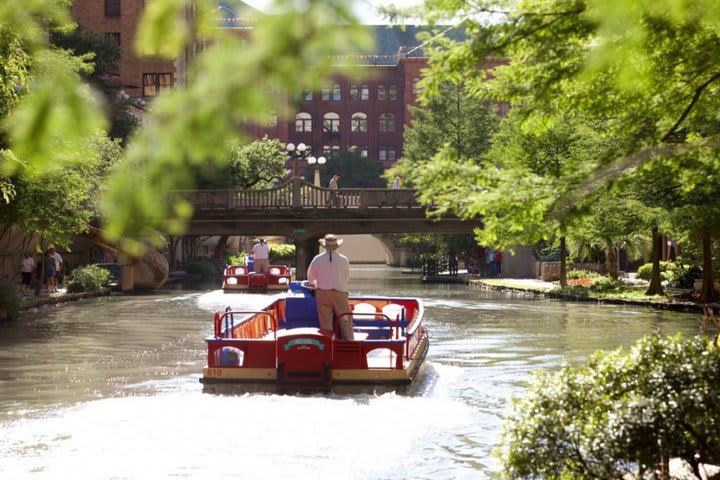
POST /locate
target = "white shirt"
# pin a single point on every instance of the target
(396, 184)
(330, 275)
(28, 265)
(58, 261)
(261, 251)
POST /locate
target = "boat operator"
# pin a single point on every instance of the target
(261, 256)
(329, 272)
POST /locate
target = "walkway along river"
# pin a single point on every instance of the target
(108, 388)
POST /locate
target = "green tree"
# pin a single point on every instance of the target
(452, 119)
(354, 170)
(100, 50)
(259, 164)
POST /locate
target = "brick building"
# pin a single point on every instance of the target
(367, 115)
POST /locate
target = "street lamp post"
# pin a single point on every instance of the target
(297, 152)
(316, 163)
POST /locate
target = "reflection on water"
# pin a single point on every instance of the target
(110, 387)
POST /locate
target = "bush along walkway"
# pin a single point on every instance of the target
(624, 295)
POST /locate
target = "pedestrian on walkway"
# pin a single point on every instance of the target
(334, 199)
(26, 270)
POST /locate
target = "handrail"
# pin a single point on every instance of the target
(247, 320)
(297, 193)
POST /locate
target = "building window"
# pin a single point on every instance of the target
(337, 96)
(363, 151)
(153, 83)
(386, 153)
(364, 93)
(326, 93)
(331, 122)
(273, 119)
(115, 37)
(386, 123)
(358, 122)
(112, 8)
(382, 93)
(415, 86)
(308, 95)
(328, 149)
(303, 122)
(392, 92)
(354, 92)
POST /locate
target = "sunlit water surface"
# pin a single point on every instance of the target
(108, 389)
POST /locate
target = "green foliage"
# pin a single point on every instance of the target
(259, 164)
(451, 120)
(204, 267)
(14, 71)
(677, 274)
(88, 278)
(60, 204)
(354, 171)
(9, 300)
(282, 253)
(605, 285)
(581, 273)
(239, 259)
(101, 50)
(619, 413)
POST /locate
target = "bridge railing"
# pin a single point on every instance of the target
(298, 193)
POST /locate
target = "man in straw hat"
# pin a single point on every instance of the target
(330, 273)
(261, 256)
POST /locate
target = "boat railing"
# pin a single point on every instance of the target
(254, 324)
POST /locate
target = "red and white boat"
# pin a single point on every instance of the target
(242, 278)
(282, 344)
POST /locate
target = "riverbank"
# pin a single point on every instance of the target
(549, 290)
(35, 301)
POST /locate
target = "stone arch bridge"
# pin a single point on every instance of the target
(305, 213)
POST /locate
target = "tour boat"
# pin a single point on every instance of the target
(242, 278)
(282, 344)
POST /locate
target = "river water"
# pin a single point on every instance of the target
(108, 388)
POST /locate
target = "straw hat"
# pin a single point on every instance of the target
(331, 241)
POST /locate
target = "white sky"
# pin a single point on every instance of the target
(366, 10)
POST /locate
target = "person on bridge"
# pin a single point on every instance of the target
(396, 183)
(329, 272)
(333, 186)
(261, 256)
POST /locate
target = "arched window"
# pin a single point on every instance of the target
(382, 93)
(392, 92)
(358, 122)
(273, 119)
(415, 86)
(326, 93)
(308, 95)
(354, 92)
(386, 122)
(337, 96)
(303, 122)
(331, 122)
(364, 93)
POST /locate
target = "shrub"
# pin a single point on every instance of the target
(9, 301)
(619, 413)
(605, 285)
(676, 274)
(580, 273)
(282, 253)
(90, 278)
(204, 267)
(239, 259)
